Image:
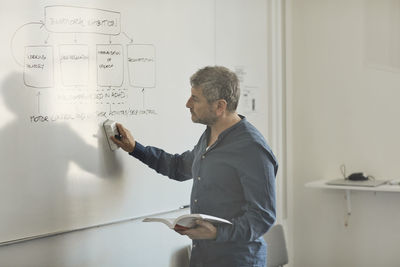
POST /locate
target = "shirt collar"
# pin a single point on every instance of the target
(228, 130)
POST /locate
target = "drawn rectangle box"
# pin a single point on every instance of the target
(141, 65)
(110, 65)
(74, 64)
(39, 66)
(72, 19)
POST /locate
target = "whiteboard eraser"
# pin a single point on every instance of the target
(110, 128)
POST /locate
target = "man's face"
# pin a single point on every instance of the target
(202, 112)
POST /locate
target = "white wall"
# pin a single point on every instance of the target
(345, 109)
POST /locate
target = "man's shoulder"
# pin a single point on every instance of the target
(250, 138)
(247, 132)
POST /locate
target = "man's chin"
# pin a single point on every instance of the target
(195, 120)
(193, 117)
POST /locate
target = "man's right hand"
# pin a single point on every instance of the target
(126, 142)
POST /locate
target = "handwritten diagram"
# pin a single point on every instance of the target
(72, 55)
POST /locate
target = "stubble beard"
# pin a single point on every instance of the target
(208, 120)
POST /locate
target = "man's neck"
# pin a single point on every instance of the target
(222, 124)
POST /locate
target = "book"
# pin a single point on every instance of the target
(186, 221)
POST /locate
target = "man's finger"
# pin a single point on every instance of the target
(121, 129)
(115, 140)
(203, 223)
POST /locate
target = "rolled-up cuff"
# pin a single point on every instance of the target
(223, 233)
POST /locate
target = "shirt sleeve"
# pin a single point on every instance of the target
(257, 172)
(175, 166)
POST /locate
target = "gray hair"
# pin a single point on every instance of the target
(218, 82)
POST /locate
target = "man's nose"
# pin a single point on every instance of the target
(188, 103)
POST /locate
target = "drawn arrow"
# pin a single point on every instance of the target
(48, 37)
(41, 22)
(41, 25)
(144, 99)
(38, 101)
(130, 39)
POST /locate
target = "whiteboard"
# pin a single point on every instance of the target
(70, 65)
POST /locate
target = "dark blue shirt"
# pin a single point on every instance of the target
(233, 179)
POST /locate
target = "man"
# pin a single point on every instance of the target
(233, 171)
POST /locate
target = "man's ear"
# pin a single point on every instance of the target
(221, 106)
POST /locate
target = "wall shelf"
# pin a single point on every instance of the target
(322, 184)
(379, 188)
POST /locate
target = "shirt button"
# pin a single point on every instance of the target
(203, 157)
(198, 178)
(195, 201)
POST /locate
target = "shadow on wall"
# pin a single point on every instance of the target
(180, 258)
(35, 162)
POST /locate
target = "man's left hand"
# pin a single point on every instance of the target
(202, 230)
